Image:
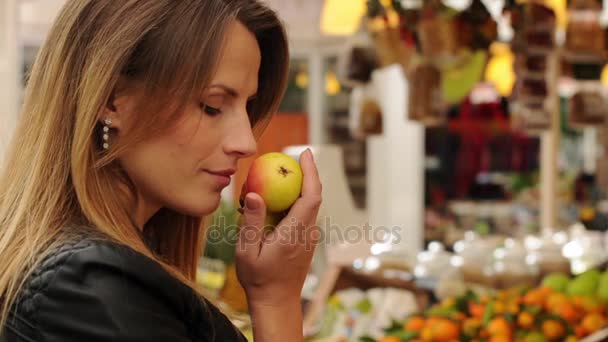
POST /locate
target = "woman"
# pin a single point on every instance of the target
(135, 116)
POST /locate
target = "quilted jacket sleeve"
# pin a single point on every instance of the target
(95, 297)
(104, 292)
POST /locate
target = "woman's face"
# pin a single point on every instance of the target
(186, 168)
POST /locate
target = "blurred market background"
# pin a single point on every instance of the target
(470, 136)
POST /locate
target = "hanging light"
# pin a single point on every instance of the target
(302, 79)
(500, 68)
(332, 84)
(459, 5)
(342, 17)
(605, 76)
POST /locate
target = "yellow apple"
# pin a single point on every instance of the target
(277, 178)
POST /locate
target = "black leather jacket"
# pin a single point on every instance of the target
(90, 290)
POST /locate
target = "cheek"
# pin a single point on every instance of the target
(166, 176)
(152, 166)
(166, 169)
(195, 140)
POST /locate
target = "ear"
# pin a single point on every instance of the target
(120, 106)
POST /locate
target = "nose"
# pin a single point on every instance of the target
(240, 140)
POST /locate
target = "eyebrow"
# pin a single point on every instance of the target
(231, 91)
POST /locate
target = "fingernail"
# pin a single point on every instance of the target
(250, 204)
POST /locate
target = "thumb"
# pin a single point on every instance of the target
(251, 232)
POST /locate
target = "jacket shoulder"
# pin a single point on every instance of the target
(46, 271)
(94, 289)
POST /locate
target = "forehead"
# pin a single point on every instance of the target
(239, 61)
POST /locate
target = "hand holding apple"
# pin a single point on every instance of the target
(261, 254)
(277, 178)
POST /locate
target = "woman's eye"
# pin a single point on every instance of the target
(212, 111)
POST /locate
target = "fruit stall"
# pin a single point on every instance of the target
(560, 309)
(536, 277)
(514, 249)
(518, 291)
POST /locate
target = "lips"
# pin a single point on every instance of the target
(222, 177)
(226, 172)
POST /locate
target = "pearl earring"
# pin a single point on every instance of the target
(106, 133)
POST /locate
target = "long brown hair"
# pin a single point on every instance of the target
(57, 177)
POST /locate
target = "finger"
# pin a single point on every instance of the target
(251, 231)
(305, 209)
(311, 184)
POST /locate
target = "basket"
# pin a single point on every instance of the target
(425, 95)
(585, 36)
(438, 39)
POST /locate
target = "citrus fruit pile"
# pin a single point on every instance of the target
(560, 309)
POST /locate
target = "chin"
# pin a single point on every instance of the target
(201, 208)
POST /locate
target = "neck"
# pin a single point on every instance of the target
(144, 210)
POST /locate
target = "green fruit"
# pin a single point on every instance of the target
(364, 306)
(439, 311)
(602, 289)
(585, 284)
(458, 81)
(535, 337)
(556, 281)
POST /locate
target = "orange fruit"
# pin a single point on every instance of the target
(594, 306)
(587, 304)
(593, 322)
(578, 302)
(499, 326)
(525, 320)
(571, 339)
(414, 324)
(545, 291)
(499, 307)
(568, 312)
(579, 331)
(553, 329)
(534, 298)
(476, 310)
(513, 308)
(430, 321)
(556, 300)
(459, 316)
(500, 338)
(390, 339)
(470, 326)
(426, 334)
(445, 330)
